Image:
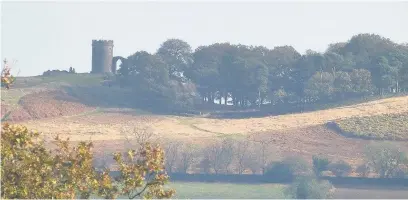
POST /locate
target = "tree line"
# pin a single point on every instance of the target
(254, 76)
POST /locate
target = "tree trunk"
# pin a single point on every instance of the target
(211, 98)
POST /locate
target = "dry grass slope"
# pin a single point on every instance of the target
(103, 126)
(387, 126)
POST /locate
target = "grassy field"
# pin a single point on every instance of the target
(195, 190)
(387, 126)
(190, 190)
(185, 190)
(27, 85)
(49, 81)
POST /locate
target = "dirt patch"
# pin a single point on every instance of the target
(17, 113)
(45, 104)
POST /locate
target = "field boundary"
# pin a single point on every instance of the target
(262, 179)
(258, 179)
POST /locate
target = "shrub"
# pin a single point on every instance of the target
(340, 168)
(363, 170)
(6, 78)
(310, 188)
(401, 173)
(281, 171)
(385, 159)
(320, 164)
(286, 169)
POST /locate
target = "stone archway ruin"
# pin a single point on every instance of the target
(115, 60)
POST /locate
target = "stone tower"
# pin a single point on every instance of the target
(102, 54)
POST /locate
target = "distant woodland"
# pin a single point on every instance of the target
(177, 77)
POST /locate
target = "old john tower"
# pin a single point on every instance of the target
(102, 55)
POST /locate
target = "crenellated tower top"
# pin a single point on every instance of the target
(102, 42)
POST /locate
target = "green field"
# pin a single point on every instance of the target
(186, 190)
(189, 190)
(196, 190)
(56, 80)
(26, 85)
(386, 126)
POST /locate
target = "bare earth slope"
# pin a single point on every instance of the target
(40, 97)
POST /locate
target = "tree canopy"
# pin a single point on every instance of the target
(250, 76)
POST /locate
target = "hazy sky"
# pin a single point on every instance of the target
(55, 35)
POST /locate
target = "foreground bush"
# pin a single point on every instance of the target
(310, 188)
(340, 168)
(287, 169)
(30, 171)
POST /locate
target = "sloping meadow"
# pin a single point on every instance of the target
(383, 127)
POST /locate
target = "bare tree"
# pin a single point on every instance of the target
(253, 162)
(213, 155)
(264, 143)
(205, 165)
(241, 153)
(227, 154)
(138, 135)
(172, 151)
(140, 132)
(187, 158)
(220, 155)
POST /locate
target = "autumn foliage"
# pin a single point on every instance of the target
(6, 78)
(31, 171)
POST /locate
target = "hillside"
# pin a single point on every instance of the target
(387, 126)
(65, 108)
(39, 97)
(108, 123)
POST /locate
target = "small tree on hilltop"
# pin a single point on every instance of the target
(6, 78)
(6, 81)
